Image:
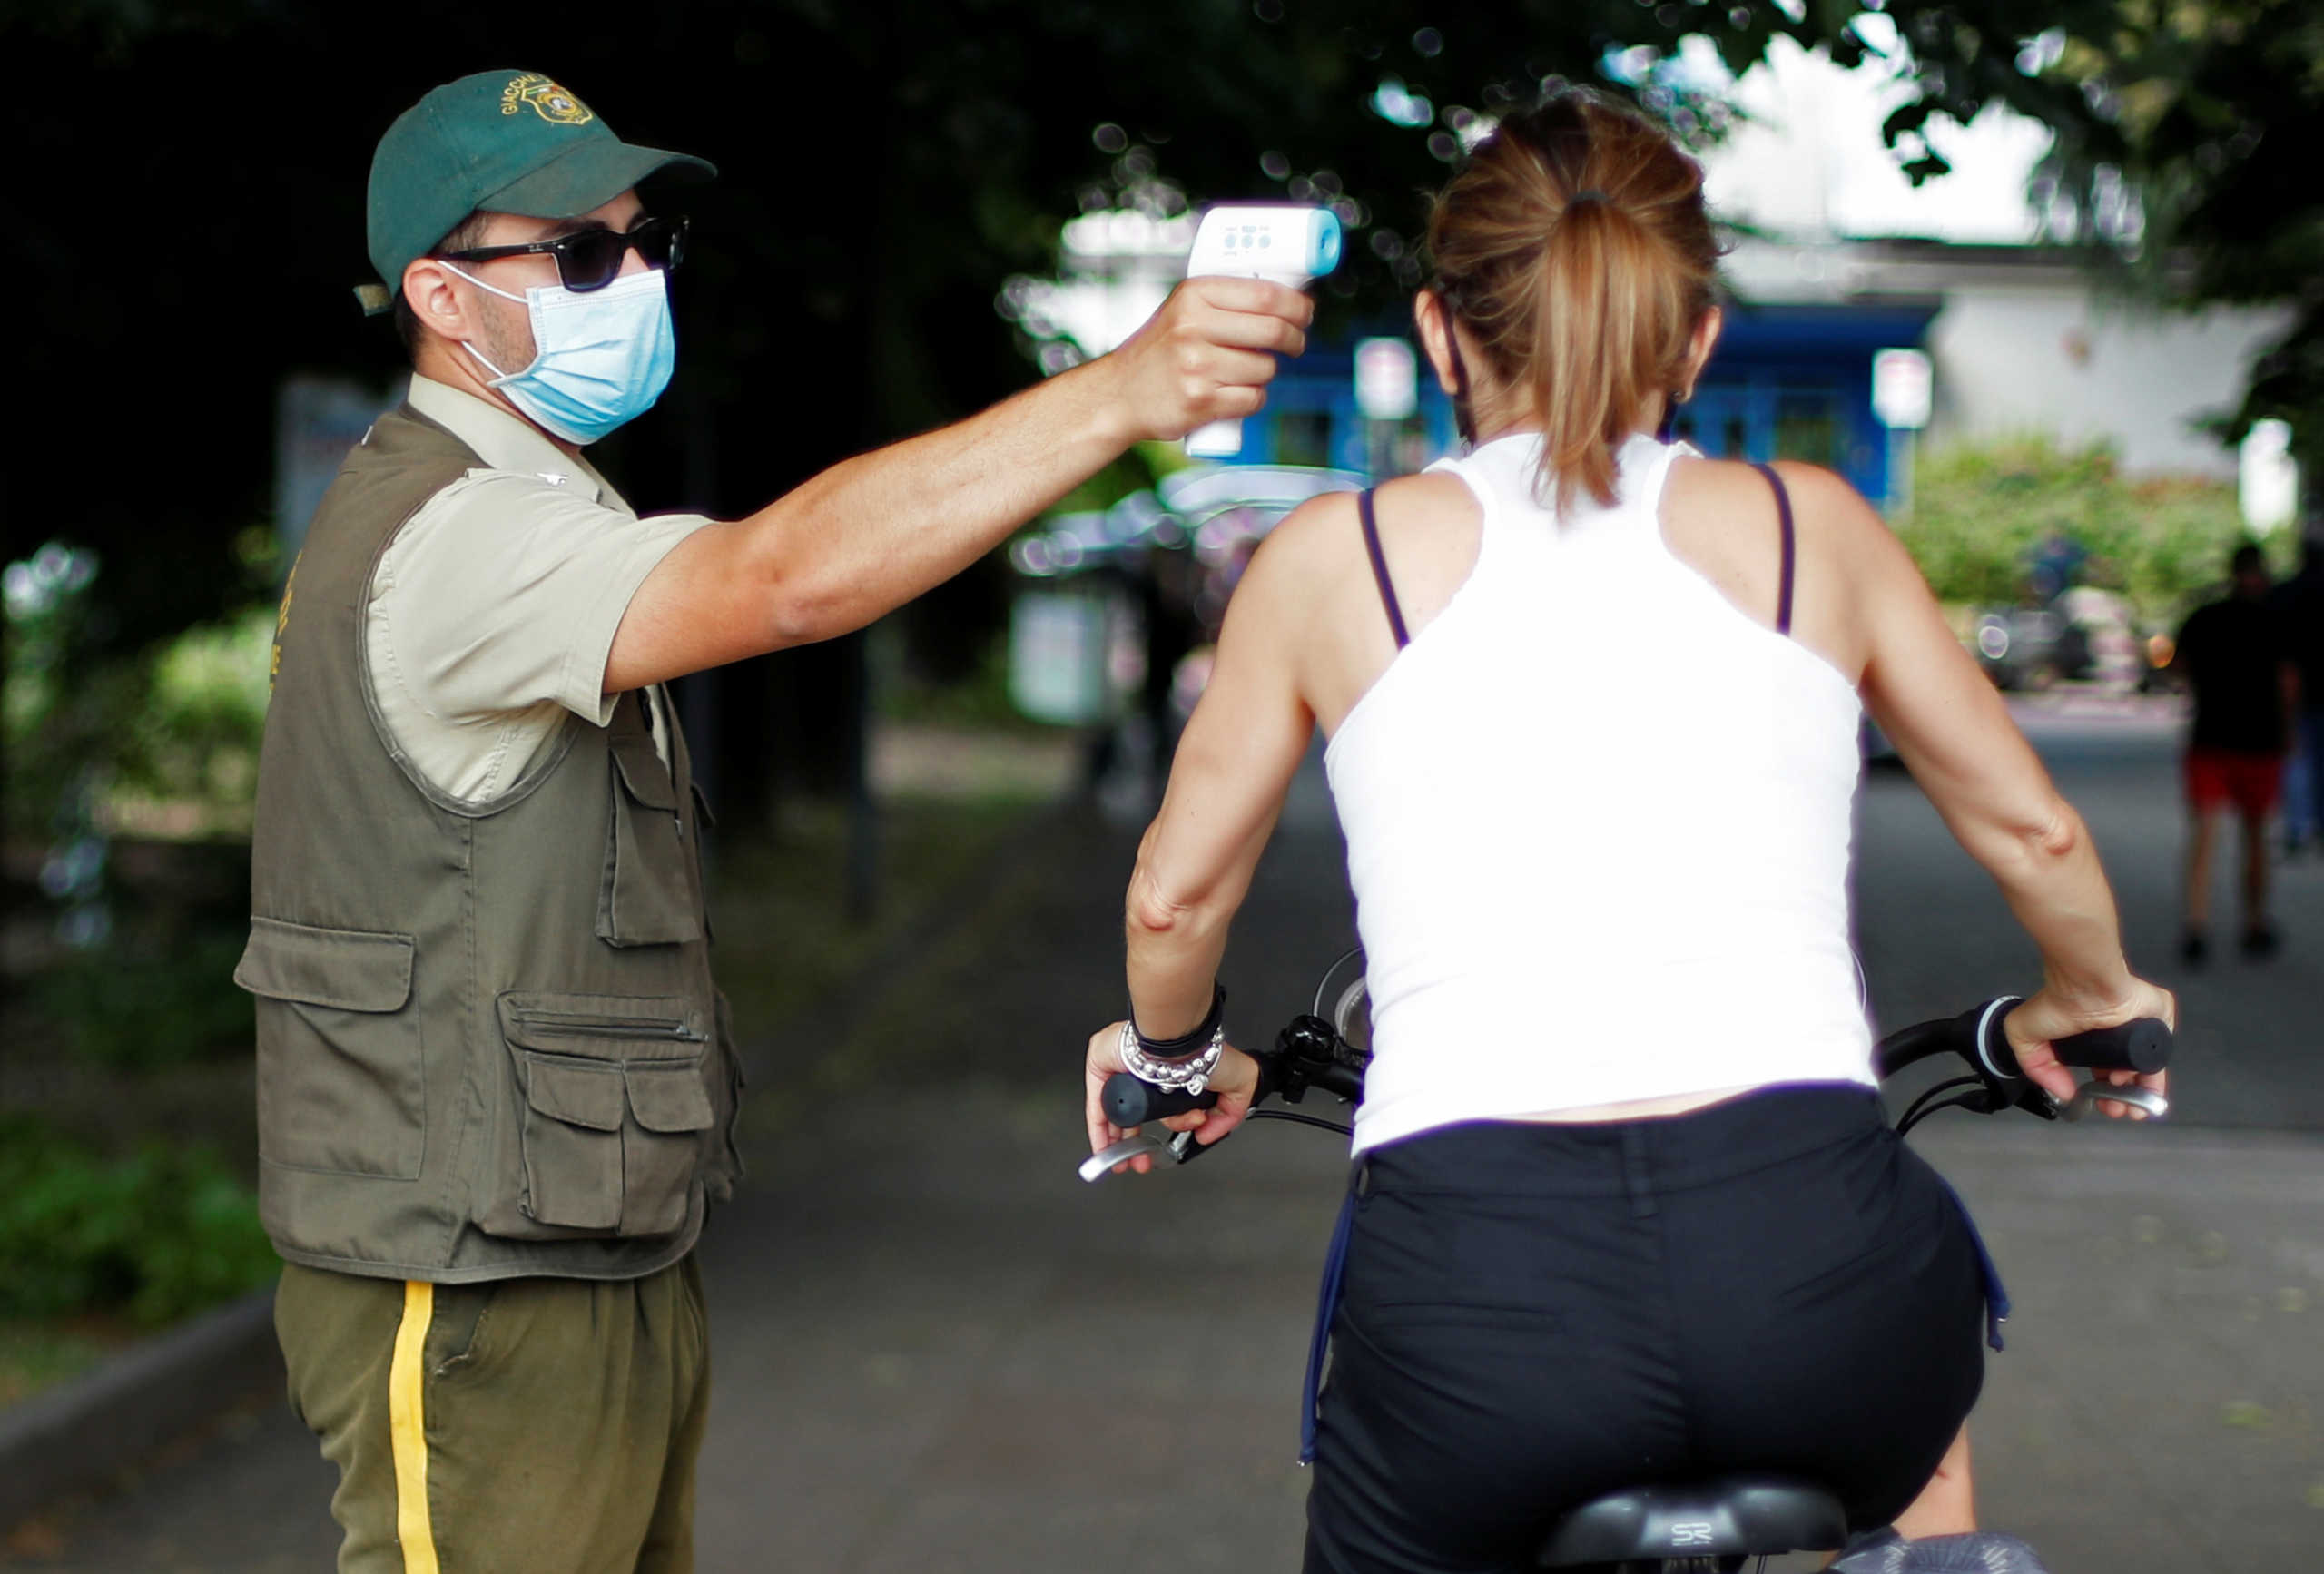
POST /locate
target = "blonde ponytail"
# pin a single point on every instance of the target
(1576, 249)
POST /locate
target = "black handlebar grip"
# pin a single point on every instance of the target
(1133, 1101)
(2143, 1045)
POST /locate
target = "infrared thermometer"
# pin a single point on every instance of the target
(1280, 241)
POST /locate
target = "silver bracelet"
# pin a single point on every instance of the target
(1190, 1073)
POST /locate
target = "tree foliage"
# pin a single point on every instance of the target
(2186, 141)
(188, 219)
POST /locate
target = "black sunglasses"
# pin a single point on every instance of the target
(591, 259)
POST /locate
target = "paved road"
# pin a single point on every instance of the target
(1933, 932)
(938, 1353)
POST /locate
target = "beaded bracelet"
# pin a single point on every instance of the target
(1190, 1073)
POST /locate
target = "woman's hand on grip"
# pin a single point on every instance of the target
(2036, 1024)
(1235, 1081)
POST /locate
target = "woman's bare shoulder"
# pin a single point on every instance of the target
(1719, 517)
(1433, 497)
(1825, 509)
(1311, 531)
(1310, 593)
(1423, 520)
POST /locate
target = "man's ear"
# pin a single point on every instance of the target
(428, 291)
(1435, 326)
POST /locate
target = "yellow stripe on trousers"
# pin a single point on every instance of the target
(408, 1428)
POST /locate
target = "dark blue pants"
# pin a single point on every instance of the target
(1534, 1315)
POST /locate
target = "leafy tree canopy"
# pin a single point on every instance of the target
(2187, 135)
(188, 218)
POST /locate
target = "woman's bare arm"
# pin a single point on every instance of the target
(1234, 765)
(1986, 783)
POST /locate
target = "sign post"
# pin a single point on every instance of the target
(1387, 392)
(2267, 477)
(1903, 389)
(317, 420)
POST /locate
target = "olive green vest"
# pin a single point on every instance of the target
(488, 1044)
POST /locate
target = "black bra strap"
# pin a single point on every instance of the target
(1783, 515)
(1380, 566)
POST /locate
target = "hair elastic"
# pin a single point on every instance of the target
(1588, 195)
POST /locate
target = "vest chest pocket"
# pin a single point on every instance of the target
(615, 1106)
(339, 1085)
(647, 897)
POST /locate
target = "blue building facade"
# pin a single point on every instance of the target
(1791, 381)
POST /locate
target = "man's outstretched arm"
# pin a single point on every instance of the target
(874, 532)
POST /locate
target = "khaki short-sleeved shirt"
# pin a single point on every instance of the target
(493, 610)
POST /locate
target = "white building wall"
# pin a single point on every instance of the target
(2062, 360)
(2021, 345)
(2029, 342)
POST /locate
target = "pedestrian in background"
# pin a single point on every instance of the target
(496, 1083)
(2235, 653)
(2299, 603)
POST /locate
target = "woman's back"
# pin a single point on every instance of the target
(1592, 780)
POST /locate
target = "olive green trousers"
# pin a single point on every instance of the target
(523, 1426)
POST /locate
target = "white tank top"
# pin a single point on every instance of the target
(1598, 823)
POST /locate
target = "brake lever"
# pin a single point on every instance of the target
(1100, 1164)
(1182, 1148)
(2091, 1093)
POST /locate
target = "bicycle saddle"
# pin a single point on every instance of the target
(1737, 1516)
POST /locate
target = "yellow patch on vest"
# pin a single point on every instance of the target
(551, 102)
(282, 620)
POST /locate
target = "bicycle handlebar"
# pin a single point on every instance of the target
(1310, 1053)
(1129, 1101)
(1976, 1035)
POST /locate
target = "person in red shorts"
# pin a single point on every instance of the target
(2235, 653)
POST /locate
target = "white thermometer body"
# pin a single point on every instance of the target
(1291, 245)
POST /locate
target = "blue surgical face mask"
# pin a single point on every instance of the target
(600, 357)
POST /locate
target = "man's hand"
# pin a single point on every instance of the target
(1206, 355)
(1236, 1080)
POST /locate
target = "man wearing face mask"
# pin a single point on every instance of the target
(496, 1081)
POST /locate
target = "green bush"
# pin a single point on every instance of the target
(193, 738)
(160, 1233)
(60, 695)
(166, 738)
(1979, 510)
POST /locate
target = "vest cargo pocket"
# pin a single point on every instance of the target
(340, 1083)
(647, 897)
(615, 1104)
(572, 1128)
(669, 1105)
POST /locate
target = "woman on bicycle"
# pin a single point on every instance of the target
(1592, 704)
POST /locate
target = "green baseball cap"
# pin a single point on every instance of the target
(513, 142)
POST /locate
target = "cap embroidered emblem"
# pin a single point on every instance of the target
(551, 102)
